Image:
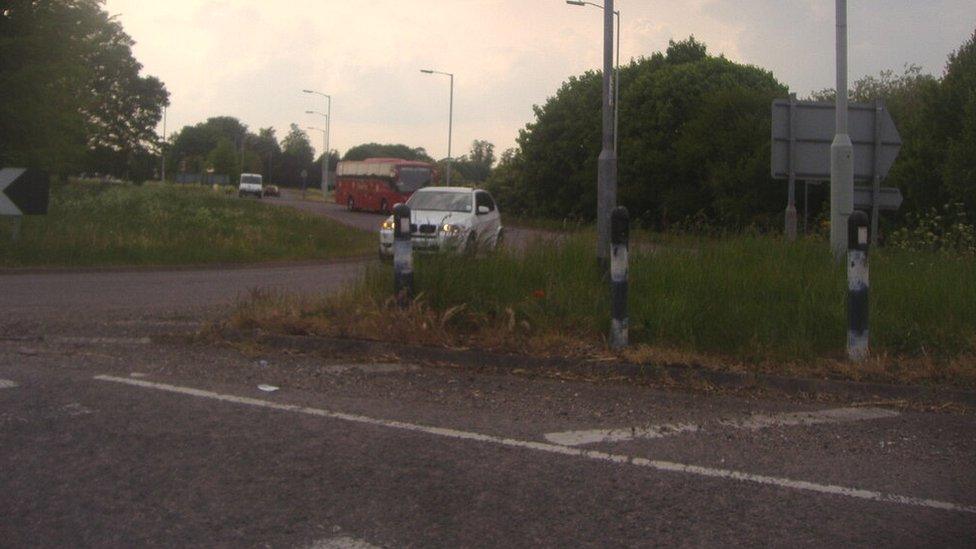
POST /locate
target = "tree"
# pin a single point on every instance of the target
(223, 159)
(297, 155)
(70, 90)
(694, 138)
(376, 150)
(476, 166)
(958, 124)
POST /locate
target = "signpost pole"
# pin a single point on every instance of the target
(791, 201)
(842, 149)
(606, 194)
(879, 108)
(806, 205)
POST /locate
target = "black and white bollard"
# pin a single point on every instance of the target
(402, 255)
(857, 286)
(619, 235)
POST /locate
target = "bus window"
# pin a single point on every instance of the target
(413, 178)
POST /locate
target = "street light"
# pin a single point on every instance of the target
(328, 134)
(325, 156)
(328, 153)
(616, 84)
(450, 120)
(606, 181)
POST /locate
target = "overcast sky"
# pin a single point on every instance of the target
(251, 58)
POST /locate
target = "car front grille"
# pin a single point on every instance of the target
(428, 229)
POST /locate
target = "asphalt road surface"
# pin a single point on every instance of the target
(113, 435)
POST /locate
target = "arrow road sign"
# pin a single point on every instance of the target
(889, 198)
(814, 132)
(23, 192)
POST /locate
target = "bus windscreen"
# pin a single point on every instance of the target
(413, 178)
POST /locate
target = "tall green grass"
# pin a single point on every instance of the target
(115, 224)
(753, 298)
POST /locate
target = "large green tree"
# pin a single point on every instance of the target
(71, 93)
(694, 139)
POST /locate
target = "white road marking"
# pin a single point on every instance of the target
(379, 368)
(138, 375)
(344, 542)
(101, 340)
(7, 384)
(836, 415)
(658, 465)
(751, 423)
(76, 409)
(595, 436)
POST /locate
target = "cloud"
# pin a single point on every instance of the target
(252, 58)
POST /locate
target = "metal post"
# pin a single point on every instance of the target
(790, 230)
(616, 93)
(876, 191)
(619, 236)
(15, 224)
(806, 205)
(607, 167)
(402, 255)
(841, 150)
(857, 286)
(328, 149)
(163, 177)
(450, 130)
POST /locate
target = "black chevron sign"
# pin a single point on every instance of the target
(23, 192)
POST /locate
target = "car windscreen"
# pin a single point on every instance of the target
(253, 179)
(441, 201)
(413, 178)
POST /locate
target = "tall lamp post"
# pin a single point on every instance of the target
(450, 119)
(841, 150)
(616, 77)
(328, 135)
(327, 153)
(163, 177)
(606, 193)
(325, 156)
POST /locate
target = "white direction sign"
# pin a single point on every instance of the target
(813, 132)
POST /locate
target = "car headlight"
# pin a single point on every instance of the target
(388, 225)
(452, 230)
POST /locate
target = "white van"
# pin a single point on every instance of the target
(251, 183)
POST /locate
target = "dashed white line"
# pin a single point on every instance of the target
(751, 423)
(377, 368)
(658, 465)
(7, 384)
(343, 542)
(72, 340)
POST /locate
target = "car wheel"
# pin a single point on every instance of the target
(350, 204)
(499, 240)
(471, 246)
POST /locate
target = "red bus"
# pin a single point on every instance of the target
(376, 184)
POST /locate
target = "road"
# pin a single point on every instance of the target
(112, 435)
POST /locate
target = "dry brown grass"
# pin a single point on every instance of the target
(352, 315)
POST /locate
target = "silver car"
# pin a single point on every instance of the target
(455, 219)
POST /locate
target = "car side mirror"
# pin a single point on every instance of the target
(483, 210)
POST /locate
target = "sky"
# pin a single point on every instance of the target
(252, 58)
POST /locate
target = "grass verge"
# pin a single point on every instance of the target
(91, 224)
(743, 303)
